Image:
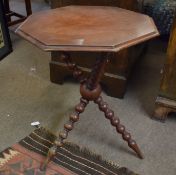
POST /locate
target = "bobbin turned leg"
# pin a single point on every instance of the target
(74, 117)
(90, 90)
(109, 114)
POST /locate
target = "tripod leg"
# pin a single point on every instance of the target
(74, 117)
(109, 114)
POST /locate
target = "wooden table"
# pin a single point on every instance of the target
(88, 29)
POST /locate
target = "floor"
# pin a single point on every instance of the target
(27, 95)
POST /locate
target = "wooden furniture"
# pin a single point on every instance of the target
(9, 13)
(166, 100)
(5, 42)
(118, 71)
(106, 30)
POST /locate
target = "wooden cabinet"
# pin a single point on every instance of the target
(166, 100)
(118, 70)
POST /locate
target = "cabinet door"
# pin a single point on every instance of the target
(5, 43)
(168, 83)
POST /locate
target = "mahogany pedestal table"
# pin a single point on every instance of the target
(91, 29)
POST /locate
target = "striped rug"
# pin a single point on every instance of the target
(26, 156)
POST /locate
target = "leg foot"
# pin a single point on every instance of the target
(163, 106)
(161, 113)
(109, 114)
(133, 145)
(50, 155)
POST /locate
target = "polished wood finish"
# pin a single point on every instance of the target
(115, 79)
(64, 28)
(85, 28)
(166, 101)
(10, 13)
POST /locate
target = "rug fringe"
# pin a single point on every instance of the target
(81, 149)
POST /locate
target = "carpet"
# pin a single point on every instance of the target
(26, 156)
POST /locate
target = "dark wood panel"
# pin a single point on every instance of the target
(130, 4)
(166, 100)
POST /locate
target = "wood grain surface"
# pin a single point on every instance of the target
(87, 28)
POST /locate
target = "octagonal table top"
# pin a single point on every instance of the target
(87, 28)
